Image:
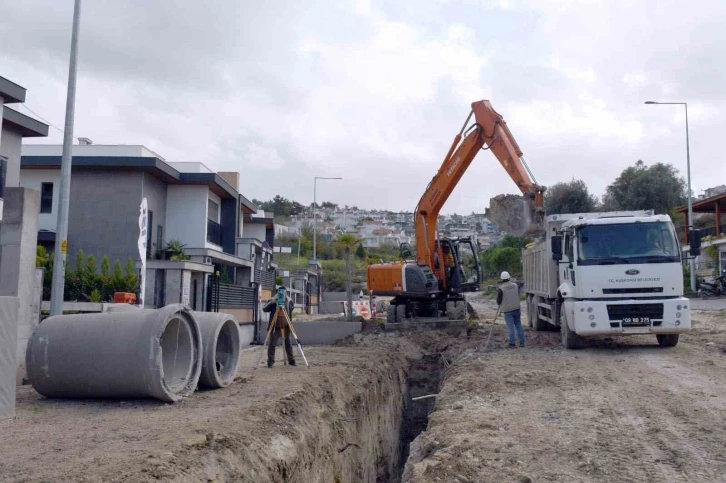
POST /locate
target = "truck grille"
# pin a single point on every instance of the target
(621, 311)
(609, 291)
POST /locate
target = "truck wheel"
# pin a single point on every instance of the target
(391, 314)
(539, 324)
(667, 340)
(401, 312)
(569, 339)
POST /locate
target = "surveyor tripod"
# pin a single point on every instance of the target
(280, 311)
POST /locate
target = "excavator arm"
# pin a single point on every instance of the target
(489, 129)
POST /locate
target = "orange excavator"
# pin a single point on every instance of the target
(445, 268)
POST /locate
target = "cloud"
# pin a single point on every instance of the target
(375, 91)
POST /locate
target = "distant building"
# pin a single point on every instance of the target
(716, 190)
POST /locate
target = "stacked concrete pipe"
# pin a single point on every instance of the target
(221, 342)
(138, 353)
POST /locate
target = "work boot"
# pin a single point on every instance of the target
(292, 362)
(270, 364)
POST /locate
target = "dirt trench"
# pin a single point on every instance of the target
(348, 418)
(346, 427)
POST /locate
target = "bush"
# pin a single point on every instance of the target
(85, 283)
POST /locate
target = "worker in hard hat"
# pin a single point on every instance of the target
(509, 305)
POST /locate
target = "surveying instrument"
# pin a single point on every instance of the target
(281, 311)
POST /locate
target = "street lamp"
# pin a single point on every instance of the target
(315, 219)
(692, 263)
(59, 266)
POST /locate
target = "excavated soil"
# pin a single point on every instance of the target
(621, 410)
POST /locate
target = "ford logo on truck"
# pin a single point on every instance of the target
(632, 271)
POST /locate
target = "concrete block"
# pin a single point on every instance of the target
(324, 332)
(8, 355)
(18, 242)
(173, 287)
(331, 308)
(246, 334)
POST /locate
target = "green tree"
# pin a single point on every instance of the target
(659, 187)
(512, 241)
(506, 258)
(347, 242)
(570, 197)
(360, 252)
(131, 279)
(41, 257)
(118, 280)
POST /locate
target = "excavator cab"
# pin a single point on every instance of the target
(467, 262)
(460, 271)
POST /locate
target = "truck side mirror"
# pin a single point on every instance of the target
(556, 241)
(694, 237)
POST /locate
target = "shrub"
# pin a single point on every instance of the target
(84, 283)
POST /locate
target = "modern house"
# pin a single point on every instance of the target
(713, 255)
(187, 203)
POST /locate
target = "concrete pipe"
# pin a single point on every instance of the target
(221, 348)
(141, 353)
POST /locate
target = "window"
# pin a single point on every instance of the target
(149, 222)
(623, 243)
(3, 172)
(568, 248)
(212, 211)
(46, 198)
(159, 237)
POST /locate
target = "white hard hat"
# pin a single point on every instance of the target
(504, 276)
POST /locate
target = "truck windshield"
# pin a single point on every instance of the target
(621, 243)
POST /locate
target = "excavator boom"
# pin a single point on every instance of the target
(489, 129)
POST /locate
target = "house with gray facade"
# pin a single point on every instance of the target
(187, 203)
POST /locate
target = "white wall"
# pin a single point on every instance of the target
(33, 178)
(256, 231)
(10, 148)
(119, 150)
(186, 215)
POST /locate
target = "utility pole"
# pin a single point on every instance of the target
(61, 246)
(692, 262)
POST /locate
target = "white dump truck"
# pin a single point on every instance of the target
(611, 273)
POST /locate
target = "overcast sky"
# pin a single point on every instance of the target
(374, 91)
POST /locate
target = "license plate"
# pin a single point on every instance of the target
(636, 320)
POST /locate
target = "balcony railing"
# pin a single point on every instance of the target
(214, 232)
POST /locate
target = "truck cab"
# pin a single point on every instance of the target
(615, 273)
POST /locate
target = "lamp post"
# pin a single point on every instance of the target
(315, 219)
(59, 266)
(692, 263)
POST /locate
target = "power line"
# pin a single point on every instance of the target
(45, 120)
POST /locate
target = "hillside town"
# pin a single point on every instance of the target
(380, 228)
